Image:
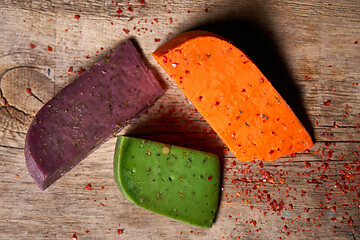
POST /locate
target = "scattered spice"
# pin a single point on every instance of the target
(88, 187)
(81, 70)
(327, 103)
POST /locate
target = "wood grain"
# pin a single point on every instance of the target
(308, 49)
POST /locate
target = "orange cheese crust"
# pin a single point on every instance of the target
(234, 97)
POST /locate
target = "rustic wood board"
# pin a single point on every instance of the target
(308, 49)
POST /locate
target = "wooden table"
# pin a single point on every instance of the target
(308, 49)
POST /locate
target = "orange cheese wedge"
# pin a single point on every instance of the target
(234, 97)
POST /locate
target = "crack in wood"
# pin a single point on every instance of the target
(36, 97)
(12, 147)
(6, 102)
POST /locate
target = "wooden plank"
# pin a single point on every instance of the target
(309, 50)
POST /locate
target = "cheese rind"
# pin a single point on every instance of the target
(87, 112)
(234, 97)
(177, 182)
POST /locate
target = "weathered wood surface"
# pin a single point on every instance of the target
(309, 51)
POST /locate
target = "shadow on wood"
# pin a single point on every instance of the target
(258, 44)
(149, 66)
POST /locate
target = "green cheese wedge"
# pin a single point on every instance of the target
(177, 182)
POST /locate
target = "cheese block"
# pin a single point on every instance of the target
(233, 96)
(173, 181)
(87, 112)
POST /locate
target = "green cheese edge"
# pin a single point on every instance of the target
(120, 150)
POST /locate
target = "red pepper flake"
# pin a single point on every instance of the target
(206, 10)
(102, 188)
(88, 187)
(350, 222)
(327, 103)
(126, 31)
(188, 11)
(74, 237)
(120, 231)
(119, 11)
(187, 72)
(17, 175)
(324, 165)
(77, 16)
(307, 164)
(307, 78)
(87, 231)
(209, 178)
(356, 42)
(216, 103)
(157, 39)
(330, 153)
(70, 70)
(28, 90)
(292, 155)
(49, 48)
(156, 20)
(130, 9)
(81, 70)
(142, 2)
(32, 45)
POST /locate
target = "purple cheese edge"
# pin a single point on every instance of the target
(44, 180)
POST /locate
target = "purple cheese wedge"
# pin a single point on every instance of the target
(87, 112)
